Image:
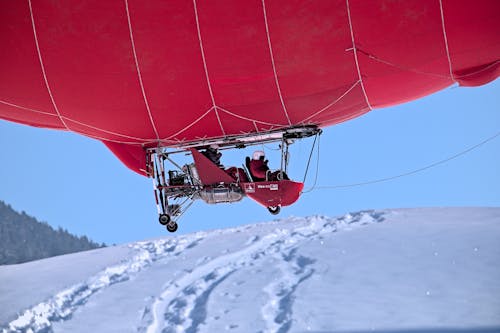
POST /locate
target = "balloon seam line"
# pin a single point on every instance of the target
(105, 131)
(136, 61)
(355, 51)
(205, 67)
(43, 68)
(273, 63)
(28, 109)
(332, 103)
(245, 118)
(190, 125)
(479, 70)
(446, 41)
(218, 119)
(77, 122)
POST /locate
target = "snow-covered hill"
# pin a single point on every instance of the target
(404, 270)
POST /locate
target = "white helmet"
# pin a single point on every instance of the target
(214, 146)
(258, 154)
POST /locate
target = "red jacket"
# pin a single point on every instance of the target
(258, 169)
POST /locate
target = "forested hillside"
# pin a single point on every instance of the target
(23, 238)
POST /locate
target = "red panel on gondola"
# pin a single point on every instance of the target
(209, 172)
(276, 193)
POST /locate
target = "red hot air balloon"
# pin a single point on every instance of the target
(148, 76)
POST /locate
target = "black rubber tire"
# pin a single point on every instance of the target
(164, 219)
(172, 226)
(275, 210)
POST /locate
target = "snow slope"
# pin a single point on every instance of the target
(404, 270)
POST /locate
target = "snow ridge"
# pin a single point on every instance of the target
(61, 306)
(182, 305)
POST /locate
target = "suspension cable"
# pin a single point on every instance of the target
(317, 164)
(309, 160)
(380, 180)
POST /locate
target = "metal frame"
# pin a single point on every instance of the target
(174, 199)
(240, 141)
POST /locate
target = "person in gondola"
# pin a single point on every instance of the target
(214, 155)
(259, 169)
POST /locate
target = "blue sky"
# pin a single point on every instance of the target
(74, 182)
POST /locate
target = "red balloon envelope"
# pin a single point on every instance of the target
(137, 74)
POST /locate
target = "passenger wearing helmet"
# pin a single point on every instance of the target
(213, 154)
(258, 166)
(259, 170)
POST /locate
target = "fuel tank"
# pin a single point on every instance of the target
(215, 195)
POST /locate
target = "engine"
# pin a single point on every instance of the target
(214, 195)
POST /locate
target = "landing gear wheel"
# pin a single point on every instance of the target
(172, 226)
(275, 210)
(164, 219)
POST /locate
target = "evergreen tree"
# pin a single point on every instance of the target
(23, 238)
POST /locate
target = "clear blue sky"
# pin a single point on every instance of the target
(74, 182)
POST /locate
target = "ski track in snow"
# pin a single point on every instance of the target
(278, 311)
(62, 306)
(182, 306)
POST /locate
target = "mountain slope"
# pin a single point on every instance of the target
(23, 238)
(406, 270)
